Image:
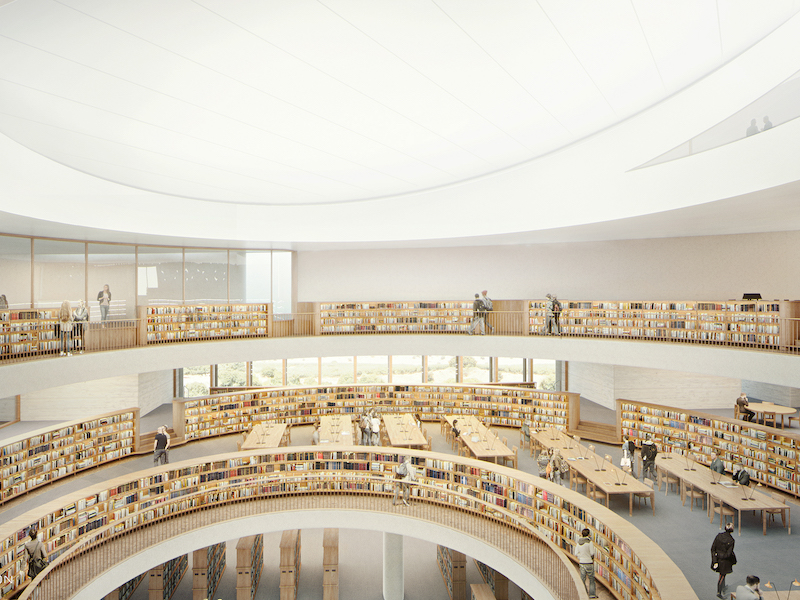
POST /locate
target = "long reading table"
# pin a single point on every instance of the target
(403, 431)
(336, 430)
(481, 441)
(266, 435)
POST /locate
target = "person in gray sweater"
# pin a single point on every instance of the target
(584, 552)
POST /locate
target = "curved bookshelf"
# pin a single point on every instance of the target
(110, 521)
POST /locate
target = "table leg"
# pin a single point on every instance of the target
(653, 502)
(764, 521)
(630, 504)
(740, 520)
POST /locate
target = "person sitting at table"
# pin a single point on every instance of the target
(716, 464)
(741, 475)
(526, 431)
(749, 591)
(315, 435)
(742, 403)
(454, 429)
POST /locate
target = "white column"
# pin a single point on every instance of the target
(393, 567)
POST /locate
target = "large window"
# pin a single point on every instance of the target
(232, 374)
(544, 373)
(509, 370)
(59, 273)
(282, 282)
(268, 372)
(15, 271)
(476, 369)
(302, 371)
(372, 369)
(337, 370)
(407, 369)
(115, 266)
(441, 369)
(160, 275)
(206, 274)
(196, 381)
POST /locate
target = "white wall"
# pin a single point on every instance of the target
(8, 408)
(98, 396)
(778, 394)
(605, 383)
(691, 268)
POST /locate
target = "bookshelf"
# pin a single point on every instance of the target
(28, 333)
(628, 563)
(755, 323)
(453, 567)
(190, 323)
(290, 564)
(497, 582)
(208, 565)
(330, 564)
(35, 459)
(506, 406)
(395, 317)
(768, 454)
(165, 579)
(126, 590)
(249, 565)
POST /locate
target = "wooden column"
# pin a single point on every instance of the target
(330, 565)
(290, 564)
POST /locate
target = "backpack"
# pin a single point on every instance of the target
(556, 306)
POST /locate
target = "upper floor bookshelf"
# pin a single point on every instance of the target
(628, 563)
(28, 333)
(449, 316)
(496, 405)
(186, 323)
(768, 454)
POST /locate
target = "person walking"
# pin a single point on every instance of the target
(584, 552)
(37, 560)
(628, 455)
(405, 474)
(478, 316)
(81, 317)
(161, 447)
(375, 429)
(723, 557)
(488, 305)
(649, 452)
(65, 324)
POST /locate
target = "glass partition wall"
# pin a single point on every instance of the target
(42, 273)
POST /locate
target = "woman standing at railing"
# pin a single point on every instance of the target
(65, 324)
(104, 298)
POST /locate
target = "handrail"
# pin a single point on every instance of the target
(555, 582)
(473, 487)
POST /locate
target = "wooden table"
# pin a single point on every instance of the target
(599, 473)
(778, 594)
(483, 443)
(403, 431)
(763, 409)
(266, 435)
(335, 430)
(732, 494)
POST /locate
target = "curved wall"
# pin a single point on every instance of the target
(315, 519)
(766, 367)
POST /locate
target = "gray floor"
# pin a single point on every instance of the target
(684, 535)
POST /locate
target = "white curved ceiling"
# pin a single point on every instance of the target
(260, 103)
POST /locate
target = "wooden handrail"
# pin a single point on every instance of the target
(472, 487)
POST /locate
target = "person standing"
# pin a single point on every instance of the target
(3, 302)
(552, 311)
(558, 466)
(584, 552)
(750, 590)
(629, 455)
(104, 298)
(742, 402)
(767, 124)
(161, 448)
(478, 315)
(81, 317)
(37, 560)
(753, 129)
(649, 452)
(723, 557)
(487, 304)
(65, 324)
(315, 436)
(406, 474)
(375, 429)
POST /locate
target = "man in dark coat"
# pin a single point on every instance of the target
(722, 556)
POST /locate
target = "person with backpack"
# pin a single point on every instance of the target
(649, 452)
(37, 560)
(552, 310)
(478, 316)
(487, 304)
(405, 474)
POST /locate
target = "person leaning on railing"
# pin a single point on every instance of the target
(37, 560)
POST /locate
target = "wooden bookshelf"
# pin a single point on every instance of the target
(628, 563)
(165, 578)
(330, 564)
(208, 565)
(452, 316)
(507, 406)
(249, 565)
(28, 333)
(497, 582)
(453, 567)
(290, 564)
(35, 459)
(741, 323)
(191, 323)
(126, 590)
(769, 454)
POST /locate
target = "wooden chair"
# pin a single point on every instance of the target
(718, 507)
(669, 479)
(461, 448)
(596, 494)
(693, 494)
(771, 512)
(576, 479)
(790, 419)
(513, 460)
(642, 496)
(522, 441)
(455, 442)
(444, 426)
(736, 413)
(429, 445)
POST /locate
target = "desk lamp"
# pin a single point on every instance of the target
(589, 448)
(752, 491)
(577, 439)
(715, 477)
(689, 460)
(624, 474)
(771, 586)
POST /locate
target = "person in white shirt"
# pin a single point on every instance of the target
(584, 552)
(406, 474)
(749, 591)
(375, 428)
(315, 435)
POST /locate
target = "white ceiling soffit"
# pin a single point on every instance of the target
(244, 113)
